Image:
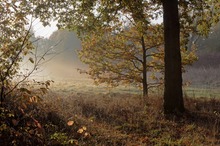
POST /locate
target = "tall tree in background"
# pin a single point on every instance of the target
(128, 57)
(173, 94)
(125, 57)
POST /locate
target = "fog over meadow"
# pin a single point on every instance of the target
(62, 61)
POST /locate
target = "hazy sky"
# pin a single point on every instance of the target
(42, 31)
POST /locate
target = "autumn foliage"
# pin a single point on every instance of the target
(119, 57)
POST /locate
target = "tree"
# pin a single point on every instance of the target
(14, 40)
(127, 57)
(173, 95)
(124, 57)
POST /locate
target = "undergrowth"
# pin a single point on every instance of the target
(97, 119)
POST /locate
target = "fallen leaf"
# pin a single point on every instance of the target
(84, 128)
(80, 131)
(15, 122)
(70, 123)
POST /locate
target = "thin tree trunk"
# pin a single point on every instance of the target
(2, 94)
(173, 96)
(144, 81)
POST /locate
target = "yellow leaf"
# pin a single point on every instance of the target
(80, 131)
(84, 128)
(30, 100)
(87, 134)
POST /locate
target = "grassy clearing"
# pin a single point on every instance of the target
(123, 119)
(202, 92)
(86, 86)
(80, 113)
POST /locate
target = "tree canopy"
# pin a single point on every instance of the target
(14, 40)
(118, 58)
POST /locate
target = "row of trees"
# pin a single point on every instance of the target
(112, 23)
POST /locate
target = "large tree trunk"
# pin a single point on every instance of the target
(173, 96)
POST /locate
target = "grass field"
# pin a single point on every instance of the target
(68, 86)
(77, 112)
(202, 92)
(86, 85)
(119, 117)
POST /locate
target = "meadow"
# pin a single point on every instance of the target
(120, 117)
(87, 86)
(77, 112)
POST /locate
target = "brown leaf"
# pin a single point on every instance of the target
(25, 90)
(24, 106)
(70, 123)
(44, 90)
(15, 122)
(39, 125)
(80, 131)
(28, 124)
(31, 131)
(31, 60)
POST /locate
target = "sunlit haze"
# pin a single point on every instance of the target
(41, 31)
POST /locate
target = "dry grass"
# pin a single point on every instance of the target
(123, 119)
(79, 114)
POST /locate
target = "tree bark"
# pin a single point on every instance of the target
(173, 96)
(2, 94)
(144, 80)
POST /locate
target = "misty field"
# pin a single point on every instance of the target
(85, 85)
